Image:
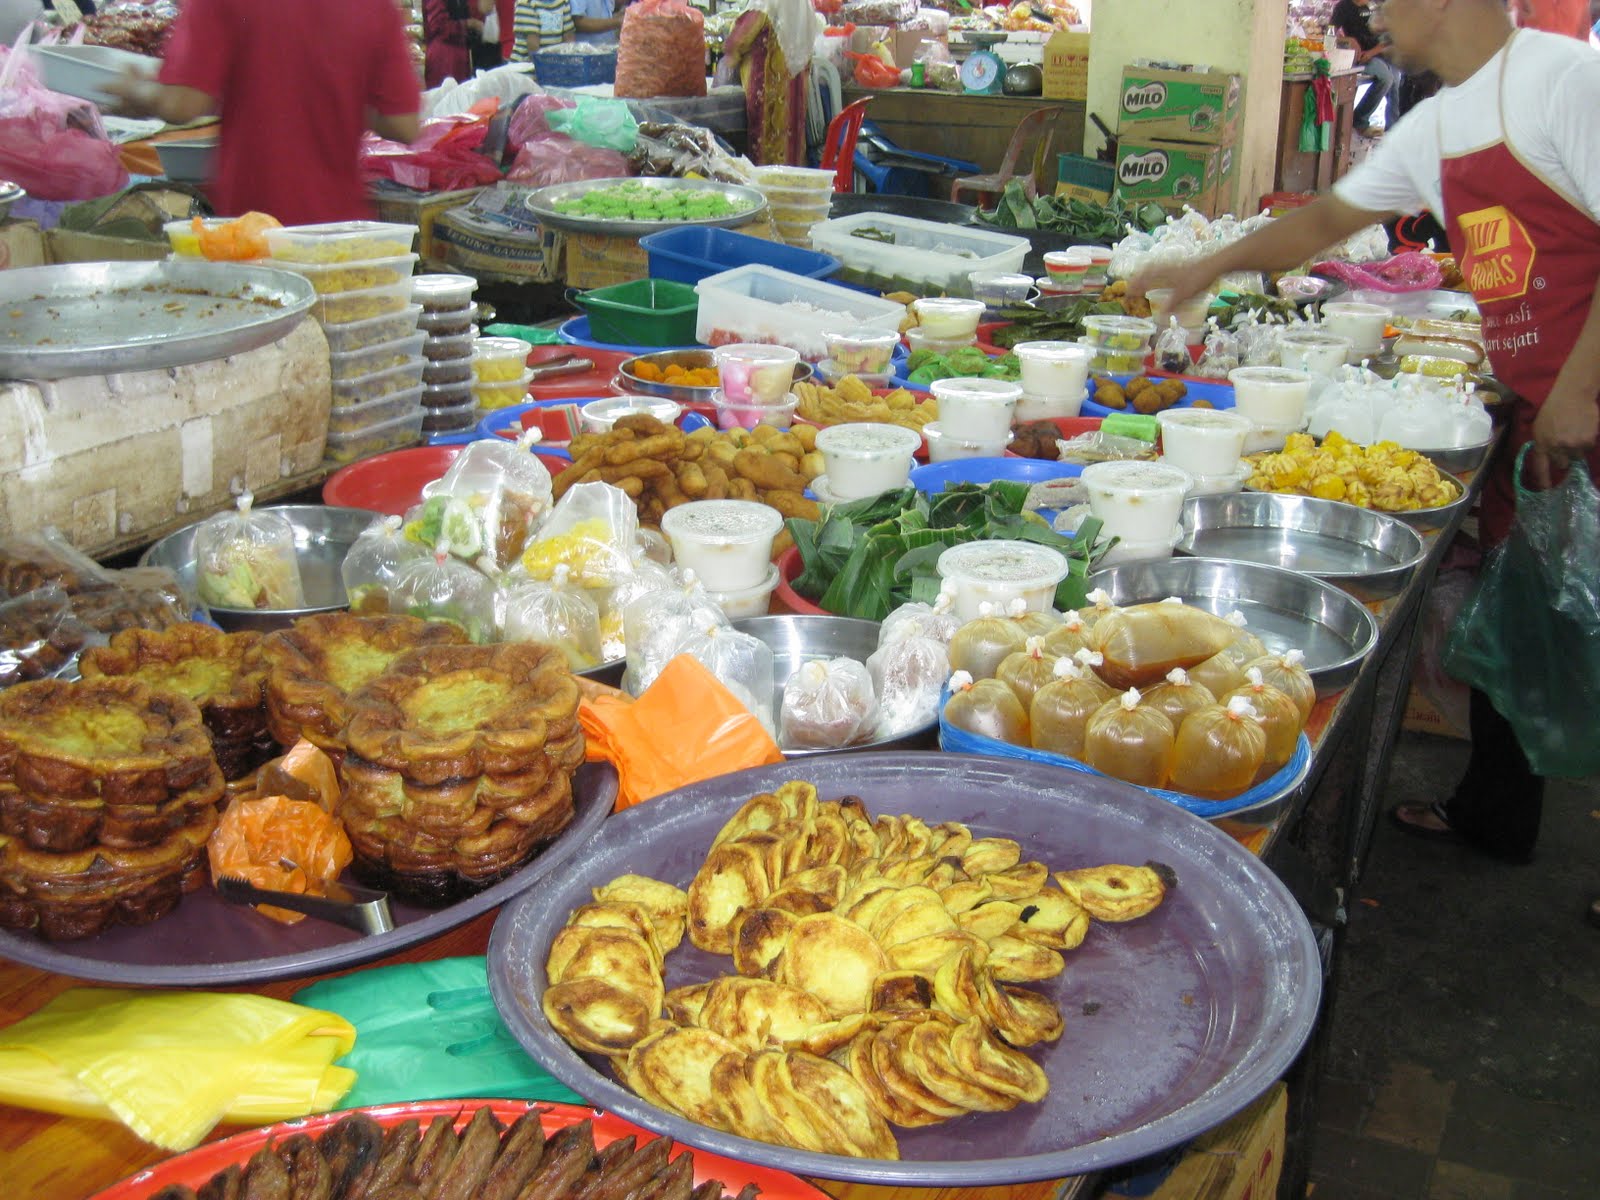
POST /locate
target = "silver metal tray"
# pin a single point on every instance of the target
(542, 204)
(682, 393)
(1367, 552)
(1174, 1021)
(1285, 609)
(797, 640)
(1459, 458)
(110, 317)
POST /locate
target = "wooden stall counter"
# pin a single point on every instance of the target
(1303, 171)
(957, 125)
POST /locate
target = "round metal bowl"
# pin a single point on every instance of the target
(1367, 552)
(1460, 458)
(322, 537)
(1420, 518)
(688, 360)
(797, 640)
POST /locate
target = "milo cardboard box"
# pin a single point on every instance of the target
(1176, 173)
(1186, 106)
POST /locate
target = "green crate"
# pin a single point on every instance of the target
(642, 312)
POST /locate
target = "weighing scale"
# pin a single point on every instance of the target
(983, 73)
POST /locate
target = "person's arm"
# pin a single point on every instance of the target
(176, 105)
(194, 69)
(396, 127)
(395, 96)
(596, 24)
(1568, 424)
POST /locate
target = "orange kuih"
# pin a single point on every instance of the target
(236, 241)
(685, 727)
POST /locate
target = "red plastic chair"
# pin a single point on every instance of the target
(839, 144)
(1042, 124)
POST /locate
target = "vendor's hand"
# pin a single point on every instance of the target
(1186, 281)
(474, 26)
(1565, 431)
(136, 95)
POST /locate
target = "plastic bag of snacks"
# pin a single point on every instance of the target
(658, 622)
(937, 620)
(488, 503)
(908, 674)
(827, 705)
(592, 531)
(373, 563)
(1069, 637)
(1130, 741)
(442, 588)
(246, 559)
(647, 576)
(1172, 349)
(987, 708)
(661, 51)
(1099, 605)
(1221, 353)
(39, 635)
(555, 613)
(1145, 641)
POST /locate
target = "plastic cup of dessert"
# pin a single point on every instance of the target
(864, 458)
(831, 372)
(942, 447)
(977, 410)
(999, 288)
(1049, 408)
(1053, 368)
(1315, 351)
(1049, 285)
(1139, 501)
(747, 415)
(864, 353)
(921, 339)
(499, 359)
(1119, 333)
(1271, 396)
(726, 543)
(1269, 438)
(739, 603)
(998, 572)
(947, 317)
(753, 373)
(1203, 441)
(1216, 485)
(1362, 323)
(1070, 267)
(1191, 313)
(1131, 551)
(1099, 271)
(598, 416)
(1115, 362)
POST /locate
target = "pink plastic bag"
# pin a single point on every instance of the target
(662, 51)
(54, 146)
(557, 158)
(445, 156)
(530, 120)
(1408, 272)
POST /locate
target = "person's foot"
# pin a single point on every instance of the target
(1423, 821)
(1372, 131)
(1594, 913)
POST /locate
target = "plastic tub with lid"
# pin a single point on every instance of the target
(455, 346)
(1069, 268)
(760, 304)
(754, 372)
(451, 419)
(726, 543)
(337, 278)
(1139, 501)
(443, 293)
(918, 338)
(1126, 334)
(499, 359)
(450, 370)
(1272, 397)
(998, 572)
(598, 416)
(1130, 551)
(386, 382)
(907, 254)
(356, 363)
(1052, 369)
(1318, 352)
(1203, 441)
(1362, 323)
(748, 416)
(944, 448)
(338, 308)
(353, 418)
(502, 392)
(864, 458)
(373, 331)
(750, 601)
(340, 241)
(1000, 288)
(862, 352)
(402, 431)
(976, 409)
(811, 179)
(948, 317)
(448, 322)
(448, 395)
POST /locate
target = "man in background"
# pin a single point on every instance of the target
(1568, 17)
(541, 23)
(597, 21)
(1352, 18)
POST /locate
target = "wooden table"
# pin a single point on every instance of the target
(1302, 171)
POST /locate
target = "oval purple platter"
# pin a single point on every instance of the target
(1174, 1022)
(206, 941)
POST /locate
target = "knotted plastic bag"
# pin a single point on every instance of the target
(1221, 353)
(657, 624)
(908, 674)
(1068, 637)
(987, 708)
(373, 564)
(1219, 750)
(1130, 741)
(596, 121)
(1172, 349)
(246, 559)
(937, 620)
(982, 644)
(1027, 670)
(488, 503)
(557, 614)
(1100, 605)
(828, 705)
(1179, 696)
(592, 531)
(1287, 672)
(647, 576)
(258, 837)
(1059, 715)
(661, 51)
(743, 664)
(1279, 716)
(442, 588)
(1145, 641)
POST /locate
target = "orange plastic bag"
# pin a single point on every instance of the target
(236, 241)
(684, 728)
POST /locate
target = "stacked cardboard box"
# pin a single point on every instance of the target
(1176, 132)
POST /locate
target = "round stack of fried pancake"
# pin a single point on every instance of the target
(224, 673)
(108, 792)
(458, 766)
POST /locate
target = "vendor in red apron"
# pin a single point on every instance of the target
(1509, 153)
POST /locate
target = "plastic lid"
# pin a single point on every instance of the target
(1356, 308)
(1000, 278)
(756, 352)
(994, 391)
(443, 289)
(868, 439)
(863, 337)
(1053, 351)
(612, 407)
(1269, 375)
(1204, 418)
(1137, 477)
(1107, 323)
(1021, 563)
(948, 305)
(722, 522)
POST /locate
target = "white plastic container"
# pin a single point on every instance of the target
(921, 339)
(340, 241)
(1216, 485)
(336, 278)
(998, 572)
(1316, 351)
(1127, 334)
(999, 288)
(977, 410)
(84, 71)
(948, 318)
(1191, 313)
(1131, 551)
(1274, 397)
(862, 352)
(1362, 323)
(503, 392)
(747, 602)
(598, 416)
(864, 458)
(1138, 501)
(1053, 370)
(944, 448)
(755, 373)
(499, 359)
(1203, 441)
(1268, 439)
(1069, 268)
(726, 543)
(443, 293)
(925, 257)
(748, 416)
(762, 304)
(1048, 408)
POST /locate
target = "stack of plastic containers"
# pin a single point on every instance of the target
(448, 402)
(798, 197)
(361, 271)
(500, 372)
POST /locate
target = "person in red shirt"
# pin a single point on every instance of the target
(1569, 17)
(296, 83)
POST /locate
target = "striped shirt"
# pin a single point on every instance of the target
(548, 20)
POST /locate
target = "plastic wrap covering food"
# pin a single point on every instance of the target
(557, 614)
(661, 51)
(131, 25)
(987, 708)
(247, 559)
(674, 150)
(915, 619)
(105, 601)
(442, 588)
(373, 563)
(1219, 750)
(981, 645)
(1145, 641)
(1186, 237)
(828, 705)
(488, 503)
(1130, 741)
(38, 635)
(648, 575)
(658, 621)
(1096, 446)
(908, 674)
(592, 531)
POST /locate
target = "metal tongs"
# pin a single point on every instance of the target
(362, 909)
(561, 364)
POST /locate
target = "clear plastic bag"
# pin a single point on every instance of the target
(907, 675)
(1130, 741)
(937, 620)
(1221, 353)
(1068, 637)
(1288, 674)
(246, 559)
(1179, 696)
(1028, 670)
(1219, 673)
(1219, 751)
(556, 614)
(1172, 349)
(987, 708)
(981, 645)
(442, 588)
(742, 664)
(1059, 715)
(488, 503)
(373, 563)
(1279, 716)
(1258, 344)
(1244, 648)
(592, 531)
(1034, 623)
(658, 622)
(1145, 641)
(39, 636)
(647, 576)
(828, 705)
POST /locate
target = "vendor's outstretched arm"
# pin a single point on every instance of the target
(396, 127)
(1280, 246)
(174, 104)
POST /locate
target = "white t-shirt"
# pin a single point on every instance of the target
(1552, 117)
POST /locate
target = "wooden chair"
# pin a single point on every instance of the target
(839, 144)
(1040, 126)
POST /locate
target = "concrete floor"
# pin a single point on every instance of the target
(1465, 1060)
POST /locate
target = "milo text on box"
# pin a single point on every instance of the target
(1190, 106)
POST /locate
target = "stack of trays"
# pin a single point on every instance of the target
(447, 313)
(362, 273)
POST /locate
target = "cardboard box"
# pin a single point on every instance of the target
(22, 245)
(1080, 178)
(1177, 173)
(420, 209)
(600, 259)
(1066, 67)
(465, 240)
(1240, 1159)
(70, 246)
(1191, 106)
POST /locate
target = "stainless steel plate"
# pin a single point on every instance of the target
(797, 640)
(1285, 609)
(1420, 518)
(1458, 459)
(687, 359)
(543, 203)
(1370, 553)
(110, 317)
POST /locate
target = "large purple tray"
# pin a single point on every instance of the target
(207, 941)
(1174, 1022)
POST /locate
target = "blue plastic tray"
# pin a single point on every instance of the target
(575, 332)
(691, 252)
(1220, 395)
(935, 477)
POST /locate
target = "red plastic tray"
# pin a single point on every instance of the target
(793, 601)
(597, 382)
(393, 482)
(197, 1166)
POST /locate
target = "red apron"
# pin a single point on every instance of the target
(1531, 257)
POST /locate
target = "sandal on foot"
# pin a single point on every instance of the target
(1415, 820)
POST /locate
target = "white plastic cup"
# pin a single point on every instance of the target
(1268, 439)
(748, 416)
(1099, 271)
(747, 602)
(1070, 267)
(1131, 551)
(1362, 323)
(978, 410)
(1271, 396)
(944, 448)
(1138, 501)
(999, 288)
(753, 373)
(1053, 369)
(726, 543)
(598, 416)
(864, 353)
(1216, 485)
(1315, 351)
(1191, 313)
(998, 572)
(921, 339)
(1203, 441)
(948, 318)
(864, 458)
(1049, 408)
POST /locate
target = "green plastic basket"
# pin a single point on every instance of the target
(642, 312)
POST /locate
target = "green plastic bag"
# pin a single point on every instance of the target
(429, 1031)
(597, 122)
(532, 334)
(1529, 636)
